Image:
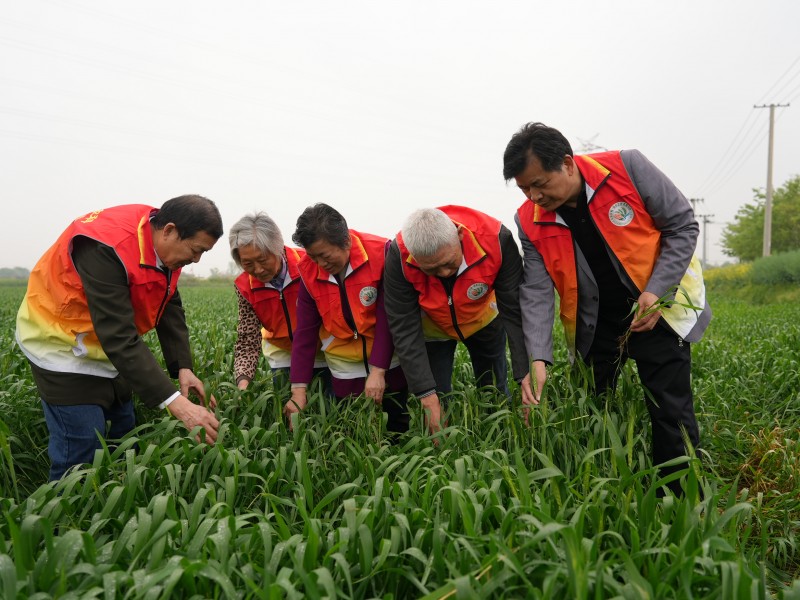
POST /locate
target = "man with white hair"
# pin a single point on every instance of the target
(449, 274)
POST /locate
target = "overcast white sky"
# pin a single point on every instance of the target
(376, 107)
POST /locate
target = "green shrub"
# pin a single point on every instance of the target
(768, 280)
(777, 269)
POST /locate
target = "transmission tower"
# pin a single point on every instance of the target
(694, 202)
(588, 146)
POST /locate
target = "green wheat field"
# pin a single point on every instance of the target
(564, 509)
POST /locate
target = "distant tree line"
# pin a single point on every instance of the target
(216, 274)
(14, 273)
(744, 238)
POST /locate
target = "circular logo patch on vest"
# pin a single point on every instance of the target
(477, 290)
(620, 214)
(368, 295)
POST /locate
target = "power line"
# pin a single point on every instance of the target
(741, 145)
(786, 84)
(777, 81)
(792, 96)
(731, 161)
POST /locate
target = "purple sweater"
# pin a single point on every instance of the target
(306, 336)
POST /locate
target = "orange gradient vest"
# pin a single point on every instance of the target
(340, 343)
(276, 309)
(614, 205)
(472, 304)
(54, 327)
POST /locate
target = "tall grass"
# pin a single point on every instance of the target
(564, 508)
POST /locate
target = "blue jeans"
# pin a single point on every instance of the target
(73, 431)
(487, 352)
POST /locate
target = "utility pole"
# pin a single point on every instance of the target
(767, 245)
(694, 202)
(706, 220)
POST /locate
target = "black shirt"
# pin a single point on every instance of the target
(615, 299)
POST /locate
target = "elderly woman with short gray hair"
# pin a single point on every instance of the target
(267, 297)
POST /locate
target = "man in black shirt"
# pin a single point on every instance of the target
(616, 238)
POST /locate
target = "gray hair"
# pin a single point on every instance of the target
(428, 230)
(256, 229)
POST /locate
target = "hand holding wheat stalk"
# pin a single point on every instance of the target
(647, 309)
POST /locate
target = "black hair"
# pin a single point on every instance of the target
(321, 222)
(537, 139)
(190, 214)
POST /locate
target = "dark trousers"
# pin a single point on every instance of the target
(395, 405)
(395, 399)
(74, 429)
(280, 380)
(487, 353)
(664, 362)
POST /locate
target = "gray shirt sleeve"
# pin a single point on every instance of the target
(672, 215)
(537, 302)
(506, 286)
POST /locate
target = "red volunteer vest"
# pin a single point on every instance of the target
(615, 203)
(268, 303)
(54, 326)
(367, 257)
(472, 304)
